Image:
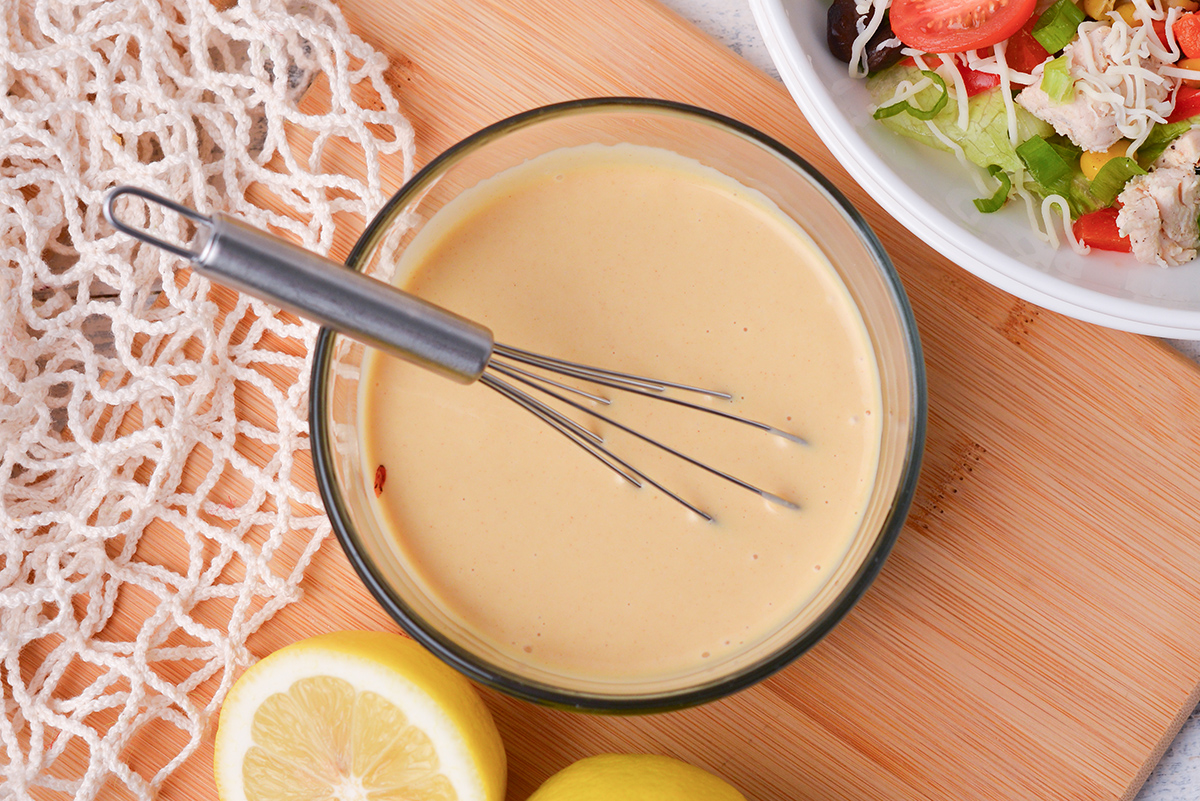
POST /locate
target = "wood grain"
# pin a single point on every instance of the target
(1035, 633)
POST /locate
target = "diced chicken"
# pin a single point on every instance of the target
(1088, 123)
(1183, 152)
(1158, 214)
(1106, 100)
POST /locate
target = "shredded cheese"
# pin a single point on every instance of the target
(1120, 71)
(956, 86)
(1010, 108)
(1031, 209)
(1051, 223)
(1148, 14)
(995, 64)
(1181, 72)
(905, 90)
(916, 55)
(948, 69)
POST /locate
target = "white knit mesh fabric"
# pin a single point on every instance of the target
(150, 444)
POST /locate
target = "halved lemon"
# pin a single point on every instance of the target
(355, 715)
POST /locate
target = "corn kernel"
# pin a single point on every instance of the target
(1186, 5)
(1126, 10)
(1098, 9)
(1090, 162)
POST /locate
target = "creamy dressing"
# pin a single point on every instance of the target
(640, 260)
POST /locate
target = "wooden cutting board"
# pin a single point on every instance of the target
(1036, 632)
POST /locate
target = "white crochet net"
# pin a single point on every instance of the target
(156, 502)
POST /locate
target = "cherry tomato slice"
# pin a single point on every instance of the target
(954, 26)
(1099, 230)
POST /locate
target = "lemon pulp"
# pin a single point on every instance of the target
(322, 739)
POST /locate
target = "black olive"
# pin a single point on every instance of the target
(843, 30)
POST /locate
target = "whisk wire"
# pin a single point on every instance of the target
(513, 370)
(636, 385)
(599, 375)
(568, 428)
(538, 383)
(541, 409)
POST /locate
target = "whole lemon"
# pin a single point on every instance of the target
(634, 777)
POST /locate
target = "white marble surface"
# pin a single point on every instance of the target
(1177, 776)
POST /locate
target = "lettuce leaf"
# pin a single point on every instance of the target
(985, 140)
(1069, 182)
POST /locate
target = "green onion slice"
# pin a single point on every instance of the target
(1162, 135)
(1066, 148)
(1057, 81)
(921, 114)
(1045, 163)
(987, 205)
(1112, 178)
(1055, 29)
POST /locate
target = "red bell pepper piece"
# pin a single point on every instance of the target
(1187, 104)
(1187, 33)
(1098, 230)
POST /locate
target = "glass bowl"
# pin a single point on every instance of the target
(757, 162)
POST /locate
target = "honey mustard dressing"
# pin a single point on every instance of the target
(639, 260)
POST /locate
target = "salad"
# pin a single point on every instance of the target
(1087, 115)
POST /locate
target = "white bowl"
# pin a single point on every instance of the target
(930, 194)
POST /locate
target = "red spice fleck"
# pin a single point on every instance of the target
(380, 477)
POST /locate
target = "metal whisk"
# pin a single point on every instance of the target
(385, 317)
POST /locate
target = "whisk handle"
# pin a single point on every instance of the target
(319, 289)
(364, 308)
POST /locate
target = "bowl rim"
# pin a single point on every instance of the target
(930, 225)
(505, 681)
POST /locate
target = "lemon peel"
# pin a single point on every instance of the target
(635, 777)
